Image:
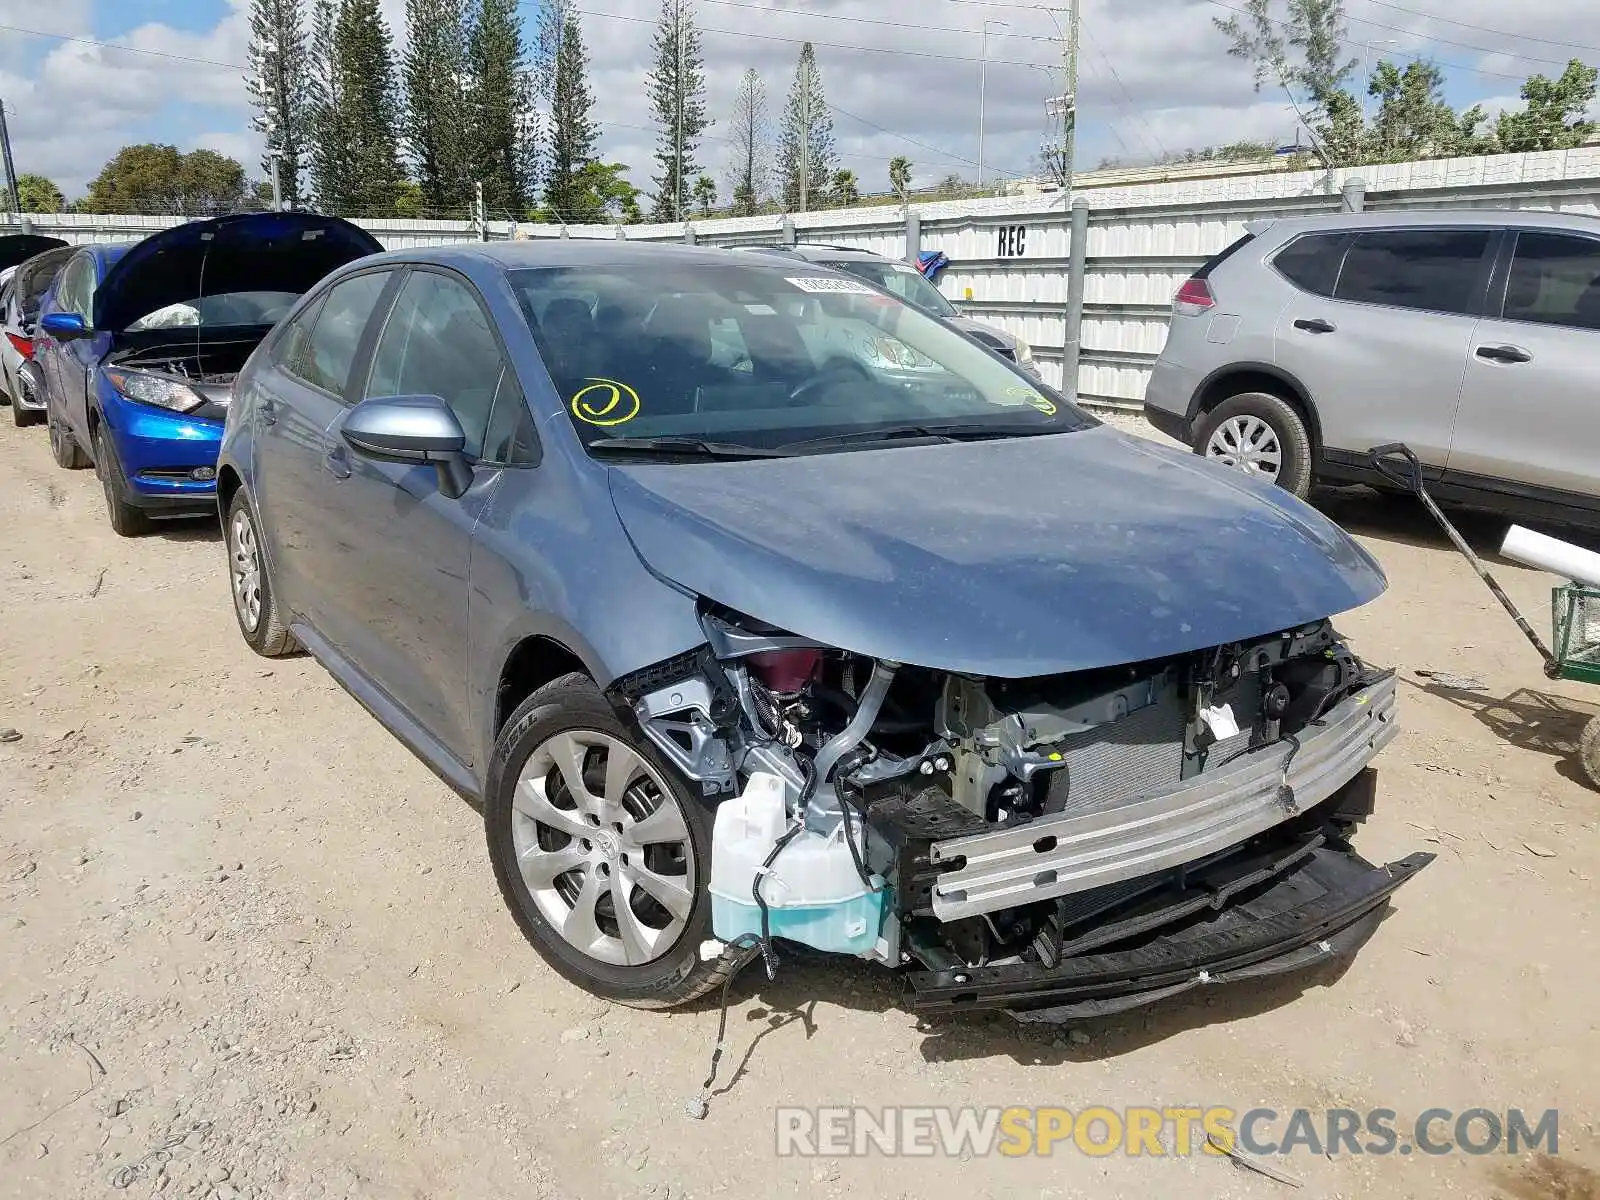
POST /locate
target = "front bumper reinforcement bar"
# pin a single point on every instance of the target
(1223, 807)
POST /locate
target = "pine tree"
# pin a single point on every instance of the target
(677, 90)
(368, 111)
(434, 72)
(751, 138)
(503, 124)
(276, 84)
(805, 150)
(567, 189)
(328, 151)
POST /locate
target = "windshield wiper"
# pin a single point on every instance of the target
(685, 445)
(894, 433)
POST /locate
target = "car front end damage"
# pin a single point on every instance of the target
(1055, 847)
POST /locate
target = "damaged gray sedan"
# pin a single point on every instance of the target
(742, 639)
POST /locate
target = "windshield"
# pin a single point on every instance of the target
(765, 358)
(900, 280)
(235, 308)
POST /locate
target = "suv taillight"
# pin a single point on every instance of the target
(1194, 298)
(22, 345)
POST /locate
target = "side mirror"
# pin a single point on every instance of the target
(64, 326)
(412, 429)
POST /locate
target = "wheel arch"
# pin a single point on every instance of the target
(534, 661)
(1257, 377)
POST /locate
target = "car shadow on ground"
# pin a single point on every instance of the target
(186, 529)
(808, 984)
(1527, 719)
(1402, 520)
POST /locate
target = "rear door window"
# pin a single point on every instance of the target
(325, 357)
(1437, 270)
(1312, 262)
(1555, 280)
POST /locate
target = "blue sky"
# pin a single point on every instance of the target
(904, 77)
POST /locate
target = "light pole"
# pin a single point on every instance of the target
(983, 86)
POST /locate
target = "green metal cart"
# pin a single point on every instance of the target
(1574, 608)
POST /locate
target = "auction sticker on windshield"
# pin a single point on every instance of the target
(605, 402)
(822, 285)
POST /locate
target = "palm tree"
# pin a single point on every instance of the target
(900, 176)
(845, 189)
(705, 194)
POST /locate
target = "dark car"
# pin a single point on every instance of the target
(925, 666)
(139, 346)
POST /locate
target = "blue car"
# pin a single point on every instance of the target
(736, 637)
(139, 345)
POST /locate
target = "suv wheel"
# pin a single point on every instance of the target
(127, 519)
(602, 855)
(1261, 435)
(255, 604)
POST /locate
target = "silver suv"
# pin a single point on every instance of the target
(1473, 337)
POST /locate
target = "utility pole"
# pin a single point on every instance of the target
(11, 170)
(805, 137)
(1065, 106)
(983, 88)
(277, 185)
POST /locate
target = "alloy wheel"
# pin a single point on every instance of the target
(244, 558)
(1248, 443)
(603, 848)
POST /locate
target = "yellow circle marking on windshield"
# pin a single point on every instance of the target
(605, 402)
(1034, 399)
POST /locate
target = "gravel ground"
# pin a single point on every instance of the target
(253, 949)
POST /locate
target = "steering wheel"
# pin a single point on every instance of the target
(836, 372)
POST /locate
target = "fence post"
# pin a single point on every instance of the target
(622, 234)
(788, 231)
(913, 238)
(689, 238)
(1355, 195)
(1077, 270)
(564, 233)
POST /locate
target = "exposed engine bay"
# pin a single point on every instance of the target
(964, 824)
(208, 369)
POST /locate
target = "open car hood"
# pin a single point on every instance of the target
(19, 247)
(1015, 558)
(245, 252)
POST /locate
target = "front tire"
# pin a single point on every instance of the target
(126, 519)
(602, 854)
(1260, 434)
(262, 622)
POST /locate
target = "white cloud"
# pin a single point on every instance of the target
(1154, 75)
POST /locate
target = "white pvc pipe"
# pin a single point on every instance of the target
(1553, 555)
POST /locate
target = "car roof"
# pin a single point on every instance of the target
(598, 253)
(1431, 218)
(820, 252)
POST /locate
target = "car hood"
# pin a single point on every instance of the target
(245, 252)
(1015, 558)
(988, 334)
(19, 247)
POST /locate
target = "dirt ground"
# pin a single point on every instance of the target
(252, 948)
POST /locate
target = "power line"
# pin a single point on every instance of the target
(829, 16)
(67, 37)
(1420, 37)
(1132, 106)
(904, 137)
(1524, 37)
(794, 41)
